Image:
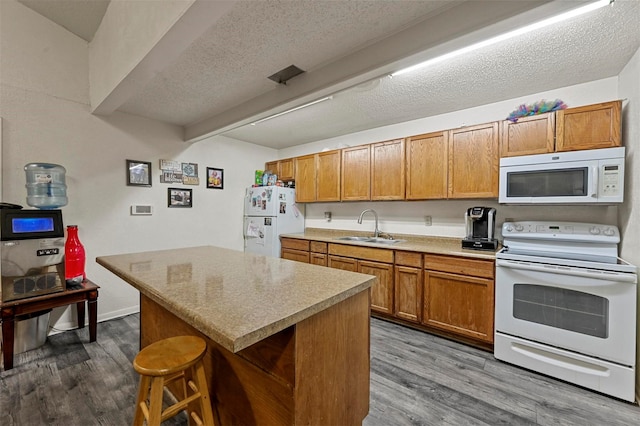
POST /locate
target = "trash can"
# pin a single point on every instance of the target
(30, 331)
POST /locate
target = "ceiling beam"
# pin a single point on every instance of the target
(452, 29)
(137, 40)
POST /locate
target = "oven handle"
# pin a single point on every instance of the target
(566, 270)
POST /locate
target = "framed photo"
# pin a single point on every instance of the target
(138, 173)
(215, 178)
(179, 197)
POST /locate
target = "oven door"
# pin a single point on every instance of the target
(587, 311)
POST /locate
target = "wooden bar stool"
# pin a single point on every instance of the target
(163, 362)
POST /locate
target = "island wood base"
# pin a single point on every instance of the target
(315, 372)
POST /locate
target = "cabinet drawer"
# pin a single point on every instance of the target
(297, 255)
(365, 253)
(459, 265)
(318, 259)
(292, 243)
(409, 258)
(318, 247)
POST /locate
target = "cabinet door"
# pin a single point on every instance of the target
(328, 176)
(474, 161)
(387, 170)
(305, 178)
(408, 293)
(529, 135)
(382, 289)
(589, 127)
(356, 173)
(272, 166)
(427, 164)
(297, 255)
(459, 304)
(318, 259)
(344, 263)
(286, 168)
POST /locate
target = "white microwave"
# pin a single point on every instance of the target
(593, 176)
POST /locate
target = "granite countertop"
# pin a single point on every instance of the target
(423, 244)
(234, 298)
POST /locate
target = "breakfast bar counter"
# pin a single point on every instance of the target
(288, 343)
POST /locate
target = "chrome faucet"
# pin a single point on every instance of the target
(376, 233)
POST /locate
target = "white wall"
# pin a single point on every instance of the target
(629, 222)
(46, 119)
(448, 216)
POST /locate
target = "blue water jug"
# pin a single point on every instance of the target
(46, 185)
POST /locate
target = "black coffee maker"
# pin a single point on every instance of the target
(481, 228)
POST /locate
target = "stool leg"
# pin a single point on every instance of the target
(205, 401)
(143, 392)
(155, 401)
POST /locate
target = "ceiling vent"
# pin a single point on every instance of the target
(285, 74)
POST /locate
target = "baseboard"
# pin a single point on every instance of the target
(71, 325)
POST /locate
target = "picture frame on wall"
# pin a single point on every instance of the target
(215, 178)
(179, 197)
(138, 173)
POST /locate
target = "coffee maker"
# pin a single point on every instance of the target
(32, 251)
(481, 227)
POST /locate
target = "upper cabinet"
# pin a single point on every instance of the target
(474, 161)
(387, 170)
(528, 135)
(285, 169)
(306, 178)
(317, 177)
(457, 163)
(427, 166)
(588, 127)
(356, 173)
(328, 176)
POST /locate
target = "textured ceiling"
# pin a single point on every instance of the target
(224, 72)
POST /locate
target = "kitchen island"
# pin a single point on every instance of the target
(288, 343)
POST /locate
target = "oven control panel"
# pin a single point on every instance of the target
(561, 231)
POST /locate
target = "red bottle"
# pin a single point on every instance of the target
(74, 257)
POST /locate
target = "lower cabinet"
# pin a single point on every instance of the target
(408, 286)
(434, 292)
(318, 254)
(293, 249)
(459, 296)
(382, 289)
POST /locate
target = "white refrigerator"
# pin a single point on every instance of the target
(268, 212)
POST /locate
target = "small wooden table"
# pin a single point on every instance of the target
(10, 310)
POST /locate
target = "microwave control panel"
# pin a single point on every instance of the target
(610, 180)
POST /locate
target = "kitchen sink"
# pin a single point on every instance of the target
(383, 240)
(355, 238)
(376, 240)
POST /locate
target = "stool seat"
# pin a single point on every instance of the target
(175, 359)
(169, 356)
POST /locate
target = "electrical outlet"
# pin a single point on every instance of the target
(427, 221)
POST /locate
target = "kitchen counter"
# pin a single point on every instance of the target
(422, 244)
(282, 335)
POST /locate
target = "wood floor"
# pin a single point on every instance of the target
(416, 379)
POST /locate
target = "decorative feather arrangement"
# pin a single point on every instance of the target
(539, 107)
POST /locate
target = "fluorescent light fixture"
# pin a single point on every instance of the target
(520, 31)
(317, 101)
